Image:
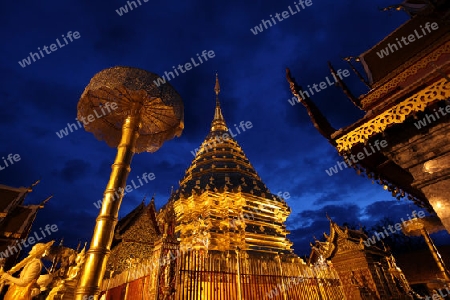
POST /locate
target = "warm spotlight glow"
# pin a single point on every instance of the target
(436, 165)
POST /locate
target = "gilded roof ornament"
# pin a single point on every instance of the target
(217, 86)
(218, 124)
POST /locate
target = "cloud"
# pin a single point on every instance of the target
(74, 169)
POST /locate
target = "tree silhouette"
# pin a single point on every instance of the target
(396, 242)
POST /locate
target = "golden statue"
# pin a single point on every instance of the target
(21, 288)
(79, 261)
(58, 288)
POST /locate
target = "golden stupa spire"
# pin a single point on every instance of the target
(217, 86)
(218, 123)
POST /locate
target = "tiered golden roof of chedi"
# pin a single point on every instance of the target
(222, 204)
(220, 236)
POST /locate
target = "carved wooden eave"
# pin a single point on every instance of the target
(317, 118)
(356, 102)
(376, 122)
(419, 80)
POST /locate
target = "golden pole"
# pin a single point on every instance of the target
(128, 280)
(238, 275)
(97, 256)
(437, 257)
(278, 258)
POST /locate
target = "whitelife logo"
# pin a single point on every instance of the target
(146, 177)
(322, 85)
(429, 118)
(391, 48)
(31, 240)
(280, 17)
(187, 66)
(53, 47)
(90, 118)
(397, 226)
(11, 158)
(124, 9)
(360, 156)
(218, 139)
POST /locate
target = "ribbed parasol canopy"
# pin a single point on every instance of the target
(159, 108)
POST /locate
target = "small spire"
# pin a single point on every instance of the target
(153, 198)
(217, 86)
(41, 205)
(35, 183)
(218, 122)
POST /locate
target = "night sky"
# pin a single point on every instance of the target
(40, 99)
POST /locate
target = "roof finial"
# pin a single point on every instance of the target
(218, 122)
(217, 86)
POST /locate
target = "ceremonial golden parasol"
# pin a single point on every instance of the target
(124, 107)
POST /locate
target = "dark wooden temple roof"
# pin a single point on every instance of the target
(18, 223)
(10, 197)
(15, 218)
(380, 70)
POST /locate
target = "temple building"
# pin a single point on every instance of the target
(16, 220)
(221, 235)
(366, 271)
(407, 112)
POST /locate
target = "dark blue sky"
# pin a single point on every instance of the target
(288, 153)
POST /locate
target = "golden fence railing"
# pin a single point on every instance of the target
(203, 275)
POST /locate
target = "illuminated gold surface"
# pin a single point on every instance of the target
(395, 115)
(136, 125)
(214, 275)
(362, 269)
(436, 165)
(222, 204)
(98, 253)
(222, 236)
(134, 93)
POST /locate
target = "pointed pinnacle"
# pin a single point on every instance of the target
(217, 86)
